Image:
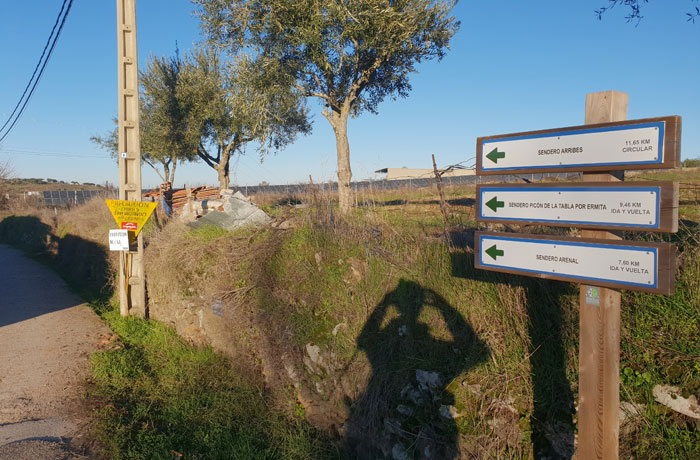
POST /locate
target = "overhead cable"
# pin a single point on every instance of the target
(40, 67)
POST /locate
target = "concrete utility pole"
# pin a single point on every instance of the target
(132, 285)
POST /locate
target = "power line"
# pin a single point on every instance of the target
(41, 58)
(50, 45)
(38, 152)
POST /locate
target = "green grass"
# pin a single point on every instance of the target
(164, 399)
(207, 233)
(514, 337)
(160, 397)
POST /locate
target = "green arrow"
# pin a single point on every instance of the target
(494, 204)
(494, 155)
(494, 252)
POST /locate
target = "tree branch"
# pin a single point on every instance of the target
(204, 155)
(145, 160)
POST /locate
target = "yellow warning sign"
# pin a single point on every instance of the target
(131, 215)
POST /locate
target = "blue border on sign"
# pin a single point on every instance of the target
(571, 243)
(658, 124)
(656, 190)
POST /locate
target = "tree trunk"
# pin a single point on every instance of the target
(222, 167)
(166, 172)
(171, 177)
(340, 127)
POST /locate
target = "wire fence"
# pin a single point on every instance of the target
(74, 197)
(291, 189)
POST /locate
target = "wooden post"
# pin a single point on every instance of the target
(132, 283)
(443, 208)
(599, 342)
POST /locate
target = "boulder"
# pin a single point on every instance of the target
(672, 398)
(237, 212)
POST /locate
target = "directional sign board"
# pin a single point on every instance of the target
(131, 215)
(652, 143)
(619, 264)
(650, 206)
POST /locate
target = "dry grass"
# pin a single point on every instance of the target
(505, 346)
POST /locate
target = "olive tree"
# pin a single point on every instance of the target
(234, 103)
(165, 135)
(634, 12)
(349, 54)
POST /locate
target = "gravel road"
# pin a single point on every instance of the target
(46, 337)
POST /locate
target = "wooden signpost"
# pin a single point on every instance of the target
(648, 206)
(602, 149)
(620, 264)
(652, 143)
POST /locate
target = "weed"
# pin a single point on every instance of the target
(163, 396)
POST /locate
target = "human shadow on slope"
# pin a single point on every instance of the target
(417, 344)
(553, 410)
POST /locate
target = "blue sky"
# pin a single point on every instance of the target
(513, 66)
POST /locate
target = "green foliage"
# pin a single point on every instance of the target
(691, 163)
(634, 10)
(234, 103)
(26, 232)
(358, 51)
(166, 397)
(166, 137)
(350, 55)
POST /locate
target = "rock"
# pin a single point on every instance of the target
(337, 328)
(671, 397)
(208, 205)
(428, 381)
(506, 405)
(193, 333)
(240, 196)
(398, 452)
(449, 412)
(291, 372)
(218, 307)
(411, 393)
(392, 426)
(404, 410)
(629, 411)
(475, 389)
(426, 447)
(318, 259)
(402, 331)
(357, 268)
(238, 212)
(314, 352)
(286, 224)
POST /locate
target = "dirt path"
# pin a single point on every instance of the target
(46, 337)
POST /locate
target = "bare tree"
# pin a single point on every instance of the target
(6, 173)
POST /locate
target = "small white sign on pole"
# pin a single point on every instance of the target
(118, 240)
